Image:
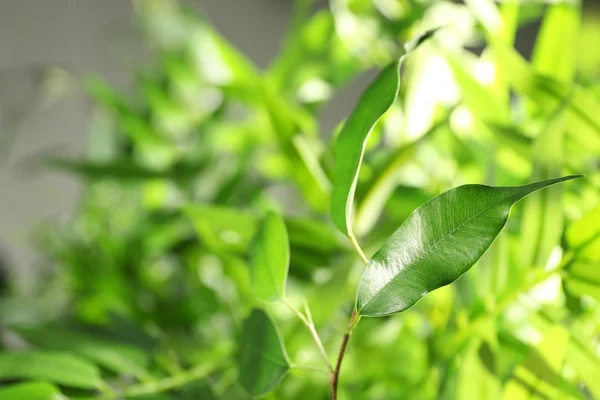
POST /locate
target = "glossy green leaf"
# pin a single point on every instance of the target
(350, 144)
(30, 391)
(61, 368)
(438, 243)
(270, 259)
(262, 357)
(112, 355)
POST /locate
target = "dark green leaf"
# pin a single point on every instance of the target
(350, 144)
(262, 358)
(60, 368)
(438, 243)
(270, 259)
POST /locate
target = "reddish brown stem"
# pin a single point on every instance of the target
(333, 381)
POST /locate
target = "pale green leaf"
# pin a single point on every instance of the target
(542, 221)
(270, 259)
(436, 244)
(112, 355)
(554, 54)
(30, 391)
(584, 279)
(583, 236)
(61, 368)
(262, 357)
(539, 374)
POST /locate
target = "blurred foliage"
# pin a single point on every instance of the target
(145, 287)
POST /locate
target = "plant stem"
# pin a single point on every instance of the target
(358, 249)
(313, 332)
(309, 368)
(333, 381)
(354, 318)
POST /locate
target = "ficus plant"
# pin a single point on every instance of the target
(238, 239)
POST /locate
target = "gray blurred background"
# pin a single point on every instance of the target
(80, 36)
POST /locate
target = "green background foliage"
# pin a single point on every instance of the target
(202, 261)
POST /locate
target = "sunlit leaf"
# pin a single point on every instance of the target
(477, 379)
(60, 368)
(586, 363)
(539, 374)
(385, 182)
(262, 357)
(30, 391)
(350, 144)
(270, 258)
(555, 48)
(542, 221)
(438, 243)
(583, 236)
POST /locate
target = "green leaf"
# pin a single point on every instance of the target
(61, 368)
(584, 279)
(584, 236)
(584, 107)
(542, 221)
(125, 170)
(262, 358)
(379, 192)
(223, 228)
(478, 380)
(350, 144)
(114, 356)
(30, 391)
(585, 361)
(555, 49)
(539, 374)
(270, 259)
(438, 243)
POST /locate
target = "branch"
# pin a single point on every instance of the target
(313, 332)
(333, 381)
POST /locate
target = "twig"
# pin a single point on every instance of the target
(333, 381)
(313, 332)
(358, 249)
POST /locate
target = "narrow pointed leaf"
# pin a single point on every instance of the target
(29, 391)
(112, 355)
(584, 236)
(542, 221)
(350, 144)
(270, 259)
(63, 369)
(438, 243)
(262, 358)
